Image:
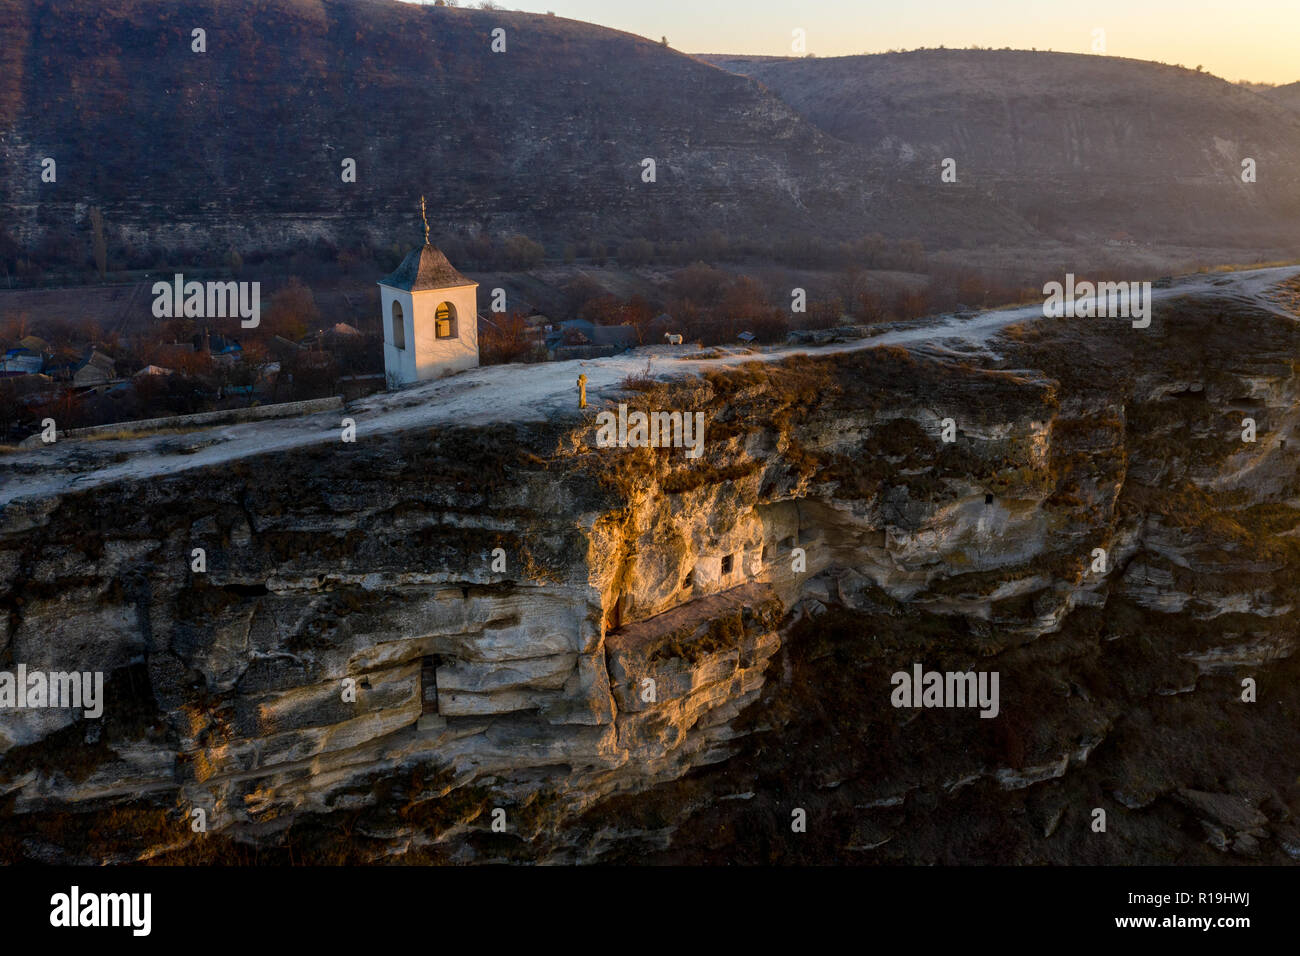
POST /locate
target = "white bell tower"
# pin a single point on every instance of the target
(430, 314)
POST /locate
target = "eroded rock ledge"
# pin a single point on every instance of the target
(675, 644)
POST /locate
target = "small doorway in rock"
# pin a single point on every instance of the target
(429, 684)
(727, 563)
(988, 499)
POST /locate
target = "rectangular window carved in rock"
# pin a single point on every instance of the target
(429, 684)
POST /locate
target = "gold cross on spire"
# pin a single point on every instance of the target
(426, 221)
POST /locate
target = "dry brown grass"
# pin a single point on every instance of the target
(642, 381)
(128, 433)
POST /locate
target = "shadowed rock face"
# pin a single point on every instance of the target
(678, 652)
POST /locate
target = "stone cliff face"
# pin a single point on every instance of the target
(667, 656)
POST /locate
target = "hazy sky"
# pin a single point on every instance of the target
(1235, 39)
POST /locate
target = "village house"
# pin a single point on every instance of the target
(21, 361)
(172, 354)
(581, 339)
(341, 335)
(283, 350)
(96, 370)
(222, 349)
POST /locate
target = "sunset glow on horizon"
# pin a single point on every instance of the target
(1254, 42)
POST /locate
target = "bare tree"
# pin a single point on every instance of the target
(292, 311)
(98, 243)
(12, 410)
(15, 327)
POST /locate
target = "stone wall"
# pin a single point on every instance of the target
(230, 416)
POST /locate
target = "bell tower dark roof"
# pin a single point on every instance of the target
(425, 268)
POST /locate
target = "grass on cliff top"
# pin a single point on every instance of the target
(869, 379)
(769, 406)
(128, 433)
(1190, 338)
(1247, 266)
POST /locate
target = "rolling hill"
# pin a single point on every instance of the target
(1080, 145)
(243, 145)
(1287, 96)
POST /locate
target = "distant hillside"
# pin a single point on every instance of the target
(191, 155)
(242, 145)
(1287, 96)
(1076, 143)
